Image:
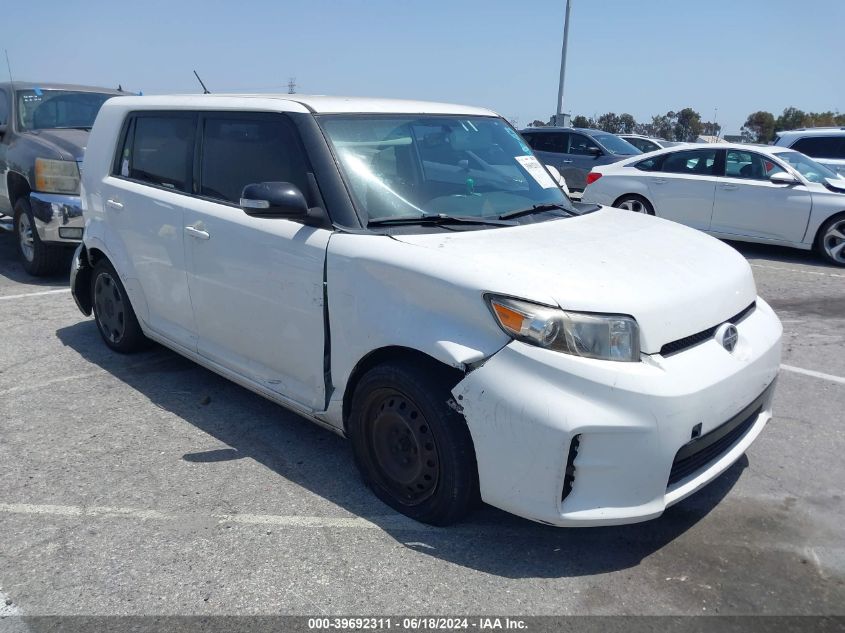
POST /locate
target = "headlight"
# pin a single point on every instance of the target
(56, 176)
(604, 336)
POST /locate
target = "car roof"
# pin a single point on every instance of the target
(316, 104)
(49, 85)
(762, 149)
(550, 128)
(813, 131)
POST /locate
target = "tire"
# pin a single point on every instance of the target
(39, 259)
(413, 450)
(113, 312)
(635, 203)
(830, 241)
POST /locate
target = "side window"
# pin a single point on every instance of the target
(650, 164)
(237, 151)
(550, 142)
(159, 150)
(819, 146)
(580, 144)
(748, 165)
(4, 107)
(696, 161)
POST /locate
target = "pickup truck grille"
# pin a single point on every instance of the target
(700, 337)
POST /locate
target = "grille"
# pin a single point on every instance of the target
(703, 450)
(700, 337)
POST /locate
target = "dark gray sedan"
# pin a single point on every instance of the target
(575, 151)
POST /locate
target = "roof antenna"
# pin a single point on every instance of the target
(205, 90)
(9, 66)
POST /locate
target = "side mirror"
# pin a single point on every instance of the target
(783, 178)
(595, 151)
(558, 178)
(274, 199)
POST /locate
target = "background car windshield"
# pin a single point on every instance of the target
(415, 165)
(616, 145)
(807, 167)
(40, 109)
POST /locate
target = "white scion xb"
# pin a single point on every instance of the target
(408, 275)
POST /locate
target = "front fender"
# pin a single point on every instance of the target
(80, 280)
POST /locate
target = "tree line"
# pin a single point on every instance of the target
(761, 126)
(683, 125)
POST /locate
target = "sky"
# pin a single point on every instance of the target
(724, 58)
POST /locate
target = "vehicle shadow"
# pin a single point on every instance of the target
(491, 541)
(12, 269)
(782, 254)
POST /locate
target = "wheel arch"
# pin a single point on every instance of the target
(817, 239)
(638, 195)
(17, 186)
(385, 354)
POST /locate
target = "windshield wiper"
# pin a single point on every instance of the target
(537, 208)
(435, 218)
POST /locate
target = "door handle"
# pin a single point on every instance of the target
(659, 181)
(197, 233)
(729, 186)
(114, 204)
(566, 161)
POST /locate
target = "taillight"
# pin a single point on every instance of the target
(592, 177)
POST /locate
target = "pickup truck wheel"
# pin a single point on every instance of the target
(39, 259)
(413, 450)
(113, 313)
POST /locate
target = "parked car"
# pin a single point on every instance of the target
(409, 275)
(43, 131)
(764, 194)
(648, 143)
(575, 151)
(824, 144)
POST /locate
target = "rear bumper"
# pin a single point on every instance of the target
(58, 218)
(525, 406)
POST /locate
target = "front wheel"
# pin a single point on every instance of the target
(637, 204)
(39, 259)
(413, 450)
(831, 240)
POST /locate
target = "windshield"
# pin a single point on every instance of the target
(40, 109)
(412, 165)
(615, 145)
(807, 167)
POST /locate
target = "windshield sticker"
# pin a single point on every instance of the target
(519, 140)
(536, 171)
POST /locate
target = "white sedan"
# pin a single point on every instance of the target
(751, 193)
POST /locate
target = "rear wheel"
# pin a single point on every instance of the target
(830, 243)
(634, 203)
(113, 313)
(413, 450)
(39, 259)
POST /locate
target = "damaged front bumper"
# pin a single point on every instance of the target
(525, 406)
(58, 217)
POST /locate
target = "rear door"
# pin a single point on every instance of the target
(256, 284)
(747, 203)
(683, 186)
(144, 202)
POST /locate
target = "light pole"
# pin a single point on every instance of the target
(560, 118)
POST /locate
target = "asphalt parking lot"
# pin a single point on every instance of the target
(147, 485)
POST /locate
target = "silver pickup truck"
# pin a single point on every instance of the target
(43, 132)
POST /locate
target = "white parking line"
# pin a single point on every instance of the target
(814, 374)
(373, 523)
(797, 270)
(34, 294)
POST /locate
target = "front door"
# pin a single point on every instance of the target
(747, 203)
(683, 186)
(256, 284)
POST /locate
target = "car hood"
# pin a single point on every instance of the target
(69, 143)
(675, 281)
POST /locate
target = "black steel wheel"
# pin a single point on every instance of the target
(113, 312)
(413, 449)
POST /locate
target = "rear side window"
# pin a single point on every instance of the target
(698, 161)
(821, 146)
(237, 151)
(158, 150)
(556, 142)
(650, 164)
